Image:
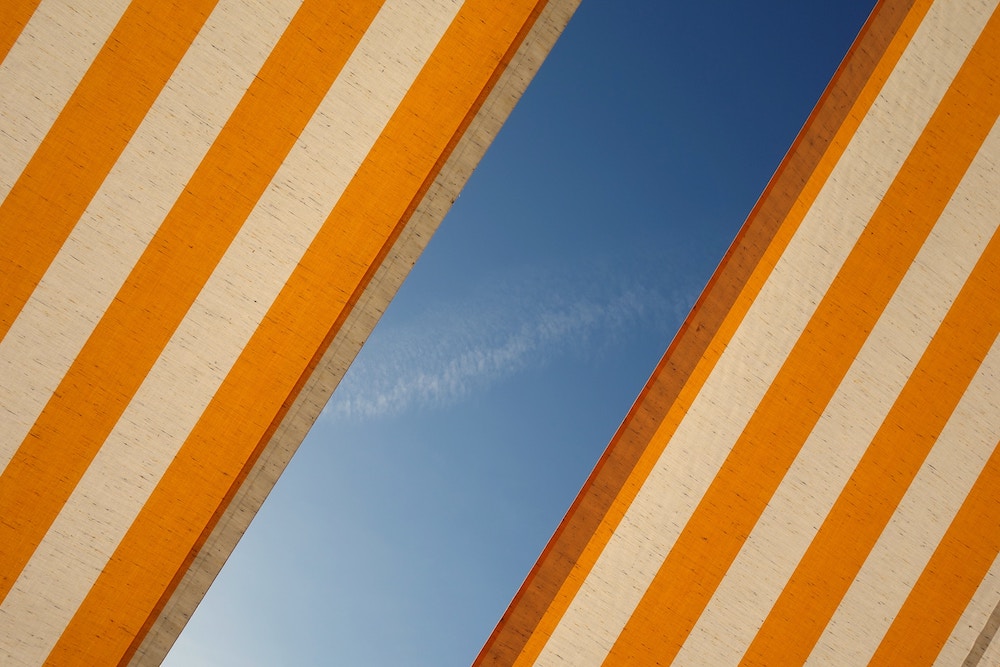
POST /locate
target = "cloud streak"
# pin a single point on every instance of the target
(455, 348)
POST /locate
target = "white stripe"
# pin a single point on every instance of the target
(103, 247)
(223, 318)
(746, 368)
(932, 500)
(930, 504)
(840, 438)
(41, 71)
(972, 622)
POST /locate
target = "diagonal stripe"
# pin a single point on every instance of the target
(327, 153)
(950, 469)
(243, 413)
(964, 554)
(16, 16)
(951, 577)
(875, 489)
(171, 272)
(966, 643)
(42, 69)
(549, 624)
(130, 205)
(87, 138)
(299, 415)
(670, 493)
(906, 544)
(770, 442)
(847, 426)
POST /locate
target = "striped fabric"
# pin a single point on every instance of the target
(811, 474)
(206, 205)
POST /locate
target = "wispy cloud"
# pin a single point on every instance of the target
(466, 345)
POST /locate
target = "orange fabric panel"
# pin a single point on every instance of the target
(17, 13)
(87, 138)
(771, 440)
(553, 613)
(948, 582)
(173, 524)
(885, 472)
(171, 272)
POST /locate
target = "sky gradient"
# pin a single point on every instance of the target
(471, 418)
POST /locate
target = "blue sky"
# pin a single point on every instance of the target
(460, 436)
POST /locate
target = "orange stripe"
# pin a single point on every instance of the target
(658, 443)
(171, 272)
(885, 472)
(954, 572)
(309, 310)
(85, 141)
(807, 380)
(16, 14)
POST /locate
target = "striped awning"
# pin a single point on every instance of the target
(206, 205)
(811, 474)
